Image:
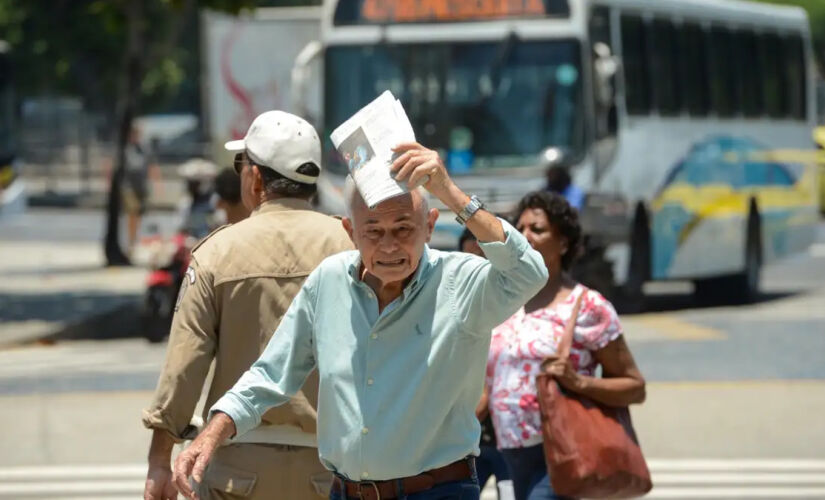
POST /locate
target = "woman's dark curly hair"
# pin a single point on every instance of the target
(561, 215)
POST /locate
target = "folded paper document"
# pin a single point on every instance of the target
(365, 142)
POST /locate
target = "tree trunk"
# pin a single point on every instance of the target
(127, 105)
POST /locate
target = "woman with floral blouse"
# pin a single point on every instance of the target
(522, 343)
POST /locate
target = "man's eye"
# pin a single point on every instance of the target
(373, 233)
(404, 230)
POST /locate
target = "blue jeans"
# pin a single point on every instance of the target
(491, 463)
(529, 473)
(457, 490)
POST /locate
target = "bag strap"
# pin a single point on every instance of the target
(566, 341)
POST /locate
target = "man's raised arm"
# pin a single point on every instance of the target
(417, 164)
(485, 293)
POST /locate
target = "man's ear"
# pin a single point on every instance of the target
(347, 223)
(432, 217)
(257, 180)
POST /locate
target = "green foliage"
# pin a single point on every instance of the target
(78, 47)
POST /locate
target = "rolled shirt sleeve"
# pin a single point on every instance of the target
(191, 347)
(487, 292)
(280, 371)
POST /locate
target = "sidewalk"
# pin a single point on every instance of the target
(43, 191)
(700, 440)
(49, 289)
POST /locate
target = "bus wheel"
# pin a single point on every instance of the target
(594, 271)
(743, 287)
(631, 296)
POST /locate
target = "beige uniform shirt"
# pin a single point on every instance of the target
(239, 285)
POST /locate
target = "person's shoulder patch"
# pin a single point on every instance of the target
(188, 279)
(213, 233)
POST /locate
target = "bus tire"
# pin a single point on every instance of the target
(631, 296)
(593, 270)
(743, 287)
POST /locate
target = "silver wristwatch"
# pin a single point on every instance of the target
(469, 210)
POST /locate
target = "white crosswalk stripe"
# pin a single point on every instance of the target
(753, 478)
(731, 478)
(673, 478)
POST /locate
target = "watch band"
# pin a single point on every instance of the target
(473, 206)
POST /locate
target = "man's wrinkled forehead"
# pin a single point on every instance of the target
(396, 209)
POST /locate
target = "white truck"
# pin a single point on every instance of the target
(248, 62)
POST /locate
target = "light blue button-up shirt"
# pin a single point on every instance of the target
(398, 390)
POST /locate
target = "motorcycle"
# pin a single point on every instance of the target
(169, 262)
(169, 259)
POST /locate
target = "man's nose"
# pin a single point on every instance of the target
(388, 241)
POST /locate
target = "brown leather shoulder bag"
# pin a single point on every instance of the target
(591, 449)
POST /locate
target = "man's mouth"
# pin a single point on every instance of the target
(393, 262)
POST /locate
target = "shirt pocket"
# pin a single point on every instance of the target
(227, 479)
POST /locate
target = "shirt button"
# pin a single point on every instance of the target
(365, 430)
(364, 475)
(370, 381)
(374, 336)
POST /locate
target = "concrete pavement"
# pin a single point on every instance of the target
(759, 440)
(735, 394)
(47, 288)
(768, 420)
(53, 279)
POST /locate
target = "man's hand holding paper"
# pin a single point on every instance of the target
(416, 166)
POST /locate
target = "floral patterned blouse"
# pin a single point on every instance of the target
(521, 343)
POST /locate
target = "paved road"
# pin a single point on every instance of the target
(735, 402)
(52, 274)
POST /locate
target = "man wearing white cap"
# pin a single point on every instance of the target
(241, 280)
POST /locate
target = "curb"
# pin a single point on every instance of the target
(89, 201)
(120, 321)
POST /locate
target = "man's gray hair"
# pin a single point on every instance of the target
(351, 191)
(276, 184)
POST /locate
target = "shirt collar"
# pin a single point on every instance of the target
(419, 276)
(281, 205)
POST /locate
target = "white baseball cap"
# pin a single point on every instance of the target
(282, 142)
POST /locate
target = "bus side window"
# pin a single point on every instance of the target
(794, 57)
(693, 68)
(775, 88)
(636, 70)
(749, 73)
(722, 86)
(605, 67)
(666, 88)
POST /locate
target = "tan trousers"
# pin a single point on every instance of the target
(265, 472)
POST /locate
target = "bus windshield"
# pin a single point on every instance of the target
(483, 104)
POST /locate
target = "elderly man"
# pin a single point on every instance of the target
(240, 282)
(399, 334)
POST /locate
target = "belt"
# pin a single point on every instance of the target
(389, 489)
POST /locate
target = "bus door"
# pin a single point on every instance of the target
(604, 69)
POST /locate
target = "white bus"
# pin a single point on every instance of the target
(665, 112)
